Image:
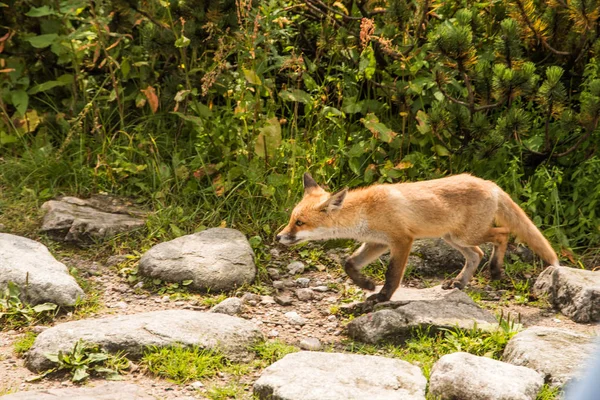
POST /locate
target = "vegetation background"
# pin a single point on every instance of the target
(209, 112)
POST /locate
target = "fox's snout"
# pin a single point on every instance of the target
(286, 238)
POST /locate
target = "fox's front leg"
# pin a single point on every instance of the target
(400, 249)
(365, 254)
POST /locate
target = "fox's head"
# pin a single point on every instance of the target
(314, 217)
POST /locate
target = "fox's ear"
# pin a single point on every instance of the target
(335, 201)
(309, 183)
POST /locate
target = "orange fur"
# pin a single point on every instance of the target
(461, 209)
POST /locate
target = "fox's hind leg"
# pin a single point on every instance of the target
(473, 255)
(365, 254)
(499, 237)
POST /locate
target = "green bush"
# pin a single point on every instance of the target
(211, 111)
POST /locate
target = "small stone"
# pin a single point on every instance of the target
(278, 285)
(121, 304)
(273, 273)
(303, 282)
(138, 285)
(332, 318)
(64, 383)
(266, 300)
(304, 294)
(294, 318)
(165, 299)
(321, 289)
(274, 252)
(273, 333)
(38, 329)
(116, 259)
(197, 385)
(296, 267)
(311, 344)
(247, 297)
(230, 306)
(179, 303)
(284, 300)
(289, 283)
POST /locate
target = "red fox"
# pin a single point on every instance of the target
(461, 209)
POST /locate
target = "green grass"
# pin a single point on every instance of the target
(232, 390)
(24, 343)
(183, 364)
(272, 350)
(548, 393)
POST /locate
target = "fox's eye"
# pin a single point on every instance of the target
(299, 223)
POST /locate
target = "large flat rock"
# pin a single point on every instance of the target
(433, 308)
(575, 292)
(558, 354)
(310, 375)
(79, 221)
(232, 336)
(215, 259)
(38, 274)
(105, 391)
(468, 377)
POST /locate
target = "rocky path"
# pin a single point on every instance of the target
(304, 305)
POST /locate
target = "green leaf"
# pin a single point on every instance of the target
(182, 42)
(378, 129)
(44, 307)
(269, 138)
(97, 357)
(295, 95)
(355, 165)
(440, 150)
(42, 41)
(80, 374)
(20, 100)
(5, 138)
(63, 80)
(52, 357)
(187, 282)
(255, 241)
(40, 12)
(367, 64)
(252, 77)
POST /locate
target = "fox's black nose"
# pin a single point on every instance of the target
(278, 237)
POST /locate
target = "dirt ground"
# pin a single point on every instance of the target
(120, 298)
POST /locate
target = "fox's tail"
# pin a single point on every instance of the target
(509, 214)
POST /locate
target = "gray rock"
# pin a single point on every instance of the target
(273, 273)
(294, 318)
(248, 297)
(296, 267)
(336, 376)
(133, 333)
(433, 308)
(284, 300)
(558, 354)
(435, 257)
(311, 344)
(266, 300)
(215, 259)
(305, 294)
(468, 377)
(321, 289)
(303, 282)
(230, 306)
(38, 274)
(278, 285)
(104, 391)
(575, 292)
(86, 221)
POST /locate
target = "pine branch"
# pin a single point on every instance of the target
(537, 34)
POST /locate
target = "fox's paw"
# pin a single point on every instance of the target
(366, 284)
(377, 298)
(452, 283)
